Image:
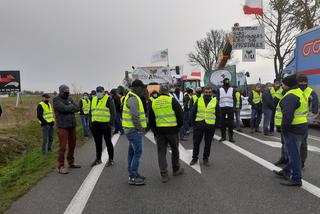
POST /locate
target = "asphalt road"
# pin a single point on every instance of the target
(233, 183)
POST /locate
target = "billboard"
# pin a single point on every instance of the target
(248, 37)
(10, 81)
(215, 78)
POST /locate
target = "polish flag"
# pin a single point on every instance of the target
(253, 7)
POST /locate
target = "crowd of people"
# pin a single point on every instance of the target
(172, 115)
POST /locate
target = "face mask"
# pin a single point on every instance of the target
(276, 85)
(66, 94)
(99, 94)
(85, 97)
(207, 97)
(155, 95)
(226, 84)
(303, 86)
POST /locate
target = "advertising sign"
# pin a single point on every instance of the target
(10, 81)
(248, 37)
(215, 78)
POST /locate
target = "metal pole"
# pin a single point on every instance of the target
(17, 101)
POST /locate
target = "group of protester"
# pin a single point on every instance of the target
(170, 114)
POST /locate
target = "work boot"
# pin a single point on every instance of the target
(280, 174)
(222, 139)
(291, 183)
(96, 162)
(193, 162)
(164, 178)
(178, 172)
(232, 140)
(206, 162)
(62, 170)
(110, 163)
(280, 162)
(137, 181)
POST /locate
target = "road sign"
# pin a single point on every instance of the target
(248, 37)
(10, 81)
(248, 54)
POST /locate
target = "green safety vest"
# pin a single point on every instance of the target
(238, 97)
(163, 111)
(126, 116)
(207, 113)
(86, 106)
(300, 114)
(276, 93)
(307, 92)
(47, 112)
(195, 98)
(99, 111)
(256, 97)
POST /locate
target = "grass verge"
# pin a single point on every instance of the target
(24, 171)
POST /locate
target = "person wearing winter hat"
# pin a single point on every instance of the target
(292, 116)
(134, 123)
(64, 110)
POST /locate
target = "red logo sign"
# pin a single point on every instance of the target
(312, 47)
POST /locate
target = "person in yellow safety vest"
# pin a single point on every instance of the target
(103, 115)
(205, 114)
(313, 107)
(238, 107)
(292, 116)
(46, 118)
(85, 105)
(277, 93)
(165, 119)
(134, 123)
(197, 94)
(255, 100)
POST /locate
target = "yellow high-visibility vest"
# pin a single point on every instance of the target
(163, 111)
(126, 116)
(86, 106)
(47, 112)
(195, 98)
(99, 111)
(276, 93)
(238, 97)
(300, 114)
(207, 113)
(256, 97)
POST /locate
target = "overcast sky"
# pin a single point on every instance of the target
(91, 42)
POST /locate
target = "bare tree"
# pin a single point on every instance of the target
(207, 50)
(280, 32)
(306, 13)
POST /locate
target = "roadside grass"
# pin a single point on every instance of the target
(22, 164)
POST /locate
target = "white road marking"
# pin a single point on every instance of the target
(305, 184)
(274, 143)
(80, 199)
(314, 137)
(185, 155)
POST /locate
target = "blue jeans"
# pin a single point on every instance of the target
(47, 139)
(267, 114)
(237, 112)
(292, 144)
(134, 152)
(85, 124)
(255, 118)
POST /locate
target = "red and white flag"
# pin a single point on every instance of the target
(253, 7)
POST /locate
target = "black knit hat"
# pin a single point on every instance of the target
(137, 83)
(290, 81)
(302, 79)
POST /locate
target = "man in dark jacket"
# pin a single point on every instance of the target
(102, 118)
(205, 115)
(165, 119)
(117, 103)
(46, 119)
(267, 109)
(294, 125)
(65, 109)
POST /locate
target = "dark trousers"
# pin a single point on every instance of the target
(272, 120)
(163, 140)
(292, 144)
(66, 137)
(47, 139)
(227, 117)
(256, 115)
(199, 131)
(99, 133)
(118, 124)
(304, 148)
